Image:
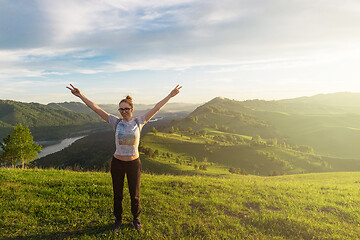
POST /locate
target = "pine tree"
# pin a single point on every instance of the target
(19, 146)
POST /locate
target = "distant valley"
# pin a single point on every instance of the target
(310, 134)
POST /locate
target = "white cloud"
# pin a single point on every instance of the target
(229, 37)
(87, 17)
(33, 83)
(16, 72)
(229, 29)
(88, 71)
(33, 62)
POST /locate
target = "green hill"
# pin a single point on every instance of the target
(222, 131)
(80, 107)
(183, 153)
(71, 106)
(334, 103)
(36, 115)
(332, 134)
(45, 122)
(227, 116)
(331, 129)
(264, 158)
(53, 204)
(349, 100)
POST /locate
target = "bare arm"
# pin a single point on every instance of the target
(162, 103)
(89, 103)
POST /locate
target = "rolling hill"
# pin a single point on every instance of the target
(183, 153)
(61, 120)
(331, 129)
(45, 122)
(222, 131)
(227, 128)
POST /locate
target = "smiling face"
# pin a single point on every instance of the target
(126, 111)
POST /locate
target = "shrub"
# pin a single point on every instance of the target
(238, 171)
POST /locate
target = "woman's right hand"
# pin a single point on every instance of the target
(75, 91)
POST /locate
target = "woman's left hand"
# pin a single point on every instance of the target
(175, 91)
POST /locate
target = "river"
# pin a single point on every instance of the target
(56, 147)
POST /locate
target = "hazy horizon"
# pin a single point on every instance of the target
(192, 103)
(238, 49)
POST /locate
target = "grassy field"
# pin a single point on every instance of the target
(59, 204)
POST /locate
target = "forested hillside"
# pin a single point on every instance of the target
(71, 106)
(189, 153)
(249, 135)
(45, 122)
(331, 129)
(252, 131)
(227, 116)
(61, 120)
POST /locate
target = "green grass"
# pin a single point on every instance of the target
(58, 204)
(182, 146)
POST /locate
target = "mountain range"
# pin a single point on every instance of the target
(330, 123)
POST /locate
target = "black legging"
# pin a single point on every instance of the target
(132, 169)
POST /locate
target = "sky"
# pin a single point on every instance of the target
(237, 49)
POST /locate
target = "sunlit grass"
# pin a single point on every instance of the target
(53, 204)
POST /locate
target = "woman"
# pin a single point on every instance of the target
(126, 159)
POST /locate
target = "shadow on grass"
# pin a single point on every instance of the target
(98, 232)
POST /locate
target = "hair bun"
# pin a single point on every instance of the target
(128, 100)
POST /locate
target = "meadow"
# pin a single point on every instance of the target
(60, 204)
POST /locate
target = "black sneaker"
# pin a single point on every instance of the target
(136, 224)
(116, 226)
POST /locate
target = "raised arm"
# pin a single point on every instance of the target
(89, 103)
(162, 103)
